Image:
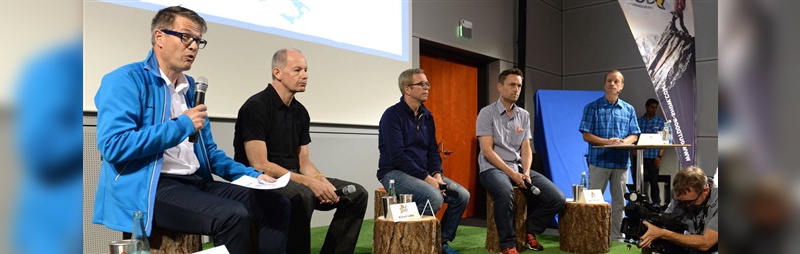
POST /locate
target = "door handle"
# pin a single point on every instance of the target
(445, 152)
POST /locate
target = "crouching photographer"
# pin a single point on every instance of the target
(695, 197)
(639, 211)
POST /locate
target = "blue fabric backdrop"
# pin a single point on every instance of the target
(556, 137)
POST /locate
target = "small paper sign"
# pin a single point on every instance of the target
(592, 197)
(216, 250)
(651, 139)
(403, 212)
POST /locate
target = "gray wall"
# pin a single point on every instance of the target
(596, 39)
(570, 46)
(494, 35)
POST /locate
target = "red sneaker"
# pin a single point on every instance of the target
(532, 244)
(511, 250)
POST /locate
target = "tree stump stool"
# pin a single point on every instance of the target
(418, 236)
(585, 228)
(379, 193)
(520, 214)
(169, 242)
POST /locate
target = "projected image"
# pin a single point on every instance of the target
(373, 27)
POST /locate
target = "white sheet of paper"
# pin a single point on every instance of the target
(255, 183)
(216, 250)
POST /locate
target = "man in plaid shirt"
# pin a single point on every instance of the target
(610, 121)
(651, 123)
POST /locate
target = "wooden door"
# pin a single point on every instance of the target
(453, 101)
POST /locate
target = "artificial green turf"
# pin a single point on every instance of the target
(469, 240)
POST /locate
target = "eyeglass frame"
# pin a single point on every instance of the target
(422, 84)
(201, 43)
(689, 202)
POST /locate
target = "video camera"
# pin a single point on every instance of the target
(640, 209)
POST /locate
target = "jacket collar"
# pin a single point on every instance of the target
(422, 109)
(151, 65)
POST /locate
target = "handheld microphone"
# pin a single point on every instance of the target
(346, 190)
(533, 189)
(201, 85)
(450, 187)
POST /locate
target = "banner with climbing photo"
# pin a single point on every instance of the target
(664, 32)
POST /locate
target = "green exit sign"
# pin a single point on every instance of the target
(464, 29)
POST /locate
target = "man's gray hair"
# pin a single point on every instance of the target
(407, 77)
(279, 59)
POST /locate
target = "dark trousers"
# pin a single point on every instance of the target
(541, 208)
(344, 228)
(651, 177)
(191, 204)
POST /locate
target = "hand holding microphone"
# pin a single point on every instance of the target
(198, 115)
(201, 85)
(324, 191)
(347, 190)
(446, 187)
(533, 189)
(437, 182)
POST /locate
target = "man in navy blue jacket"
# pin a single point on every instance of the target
(410, 155)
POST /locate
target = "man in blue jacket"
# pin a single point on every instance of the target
(145, 117)
(410, 155)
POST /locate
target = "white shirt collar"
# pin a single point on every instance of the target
(183, 83)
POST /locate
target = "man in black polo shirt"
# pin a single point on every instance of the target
(272, 135)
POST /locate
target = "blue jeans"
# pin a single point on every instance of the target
(541, 208)
(422, 191)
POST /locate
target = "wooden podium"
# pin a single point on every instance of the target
(639, 174)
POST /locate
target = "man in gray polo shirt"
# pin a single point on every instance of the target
(504, 134)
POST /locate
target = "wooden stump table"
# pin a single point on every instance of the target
(169, 242)
(418, 236)
(585, 228)
(520, 214)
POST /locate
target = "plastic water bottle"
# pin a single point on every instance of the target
(584, 181)
(139, 243)
(392, 192)
(668, 131)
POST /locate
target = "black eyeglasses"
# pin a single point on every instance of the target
(422, 84)
(689, 202)
(186, 38)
